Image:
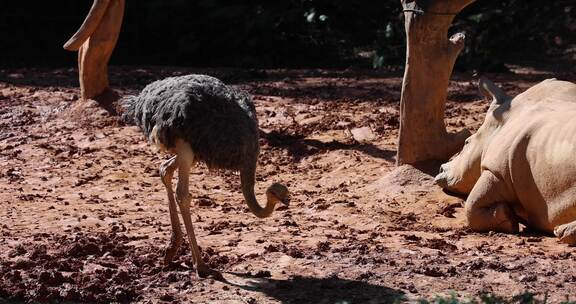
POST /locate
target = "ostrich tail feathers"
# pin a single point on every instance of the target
(128, 108)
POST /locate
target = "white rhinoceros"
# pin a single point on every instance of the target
(520, 167)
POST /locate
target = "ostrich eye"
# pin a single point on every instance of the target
(279, 190)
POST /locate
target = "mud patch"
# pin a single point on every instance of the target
(85, 217)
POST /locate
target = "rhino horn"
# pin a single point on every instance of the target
(491, 90)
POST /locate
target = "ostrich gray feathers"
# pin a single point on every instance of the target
(217, 121)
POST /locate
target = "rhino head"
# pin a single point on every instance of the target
(461, 173)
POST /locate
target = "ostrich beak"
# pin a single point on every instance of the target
(286, 201)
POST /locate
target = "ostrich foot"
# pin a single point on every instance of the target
(172, 248)
(206, 272)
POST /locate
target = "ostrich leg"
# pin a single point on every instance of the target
(167, 172)
(183, 197)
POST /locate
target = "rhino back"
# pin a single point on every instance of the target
(549, 90)
(535, 155)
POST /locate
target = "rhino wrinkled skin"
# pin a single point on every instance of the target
(520, 167)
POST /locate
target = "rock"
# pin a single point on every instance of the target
(363, 134)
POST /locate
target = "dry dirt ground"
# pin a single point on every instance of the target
(84, 216)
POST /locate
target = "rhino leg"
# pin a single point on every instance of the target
(486, 209)
(566, 233)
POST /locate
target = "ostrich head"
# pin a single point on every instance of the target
(279, 193)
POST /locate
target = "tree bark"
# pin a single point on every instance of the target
(430, 58)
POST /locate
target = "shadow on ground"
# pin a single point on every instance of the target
(320, 290)
(131, 77)
(385, 91)
(299, 147)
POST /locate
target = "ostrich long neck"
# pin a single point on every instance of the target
(247, 179)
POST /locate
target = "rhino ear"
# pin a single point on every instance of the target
(492, 91)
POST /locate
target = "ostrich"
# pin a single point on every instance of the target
(199, 118)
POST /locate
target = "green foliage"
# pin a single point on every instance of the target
(315, 33)
(450, 299)
(289, 33)
(489, 298)
(389, 44)
(498, 31)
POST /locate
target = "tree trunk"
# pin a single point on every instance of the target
(430, 58)
(95, 42)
